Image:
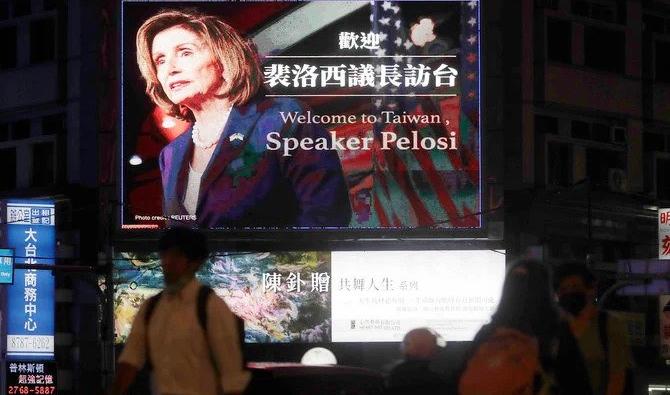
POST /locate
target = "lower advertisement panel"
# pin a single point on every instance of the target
(382, 295)
(342, 296)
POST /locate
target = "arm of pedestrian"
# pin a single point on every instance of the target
(133, 355)
(617, 381)
(225, 347)
(620, 355)
(125, 375)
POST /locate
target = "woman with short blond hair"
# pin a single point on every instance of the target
(220, 173)
(236, 55)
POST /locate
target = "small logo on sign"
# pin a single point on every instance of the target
(236, 137)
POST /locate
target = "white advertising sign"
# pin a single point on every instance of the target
(664, 233)
(381, 295)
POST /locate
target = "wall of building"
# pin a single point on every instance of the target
(48, 147)
(587, 106)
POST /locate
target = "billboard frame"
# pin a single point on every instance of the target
(323, 238)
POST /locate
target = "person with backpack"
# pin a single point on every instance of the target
(601, 336)
(527, 348)
(186, 334)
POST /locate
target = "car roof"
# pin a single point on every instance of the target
(288, 369)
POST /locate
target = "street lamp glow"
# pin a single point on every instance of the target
(318, 356)
(135, 160)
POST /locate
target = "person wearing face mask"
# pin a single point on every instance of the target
(601, 335)
(188, 338)
(528, 347)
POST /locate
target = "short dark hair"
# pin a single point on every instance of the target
(190, 242)
(574, 269)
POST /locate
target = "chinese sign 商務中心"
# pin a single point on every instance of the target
(30, 231)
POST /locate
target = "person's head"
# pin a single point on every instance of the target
(188, 58)
(527, 301)
(575, 287)
(420, 344)
(182, 252)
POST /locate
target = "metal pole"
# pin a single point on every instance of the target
(108, 335)
(589, 212)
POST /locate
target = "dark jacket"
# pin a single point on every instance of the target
(414, 377)
(248, 185)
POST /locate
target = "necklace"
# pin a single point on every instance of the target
(205, 144)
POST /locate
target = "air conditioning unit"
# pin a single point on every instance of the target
(617, 180)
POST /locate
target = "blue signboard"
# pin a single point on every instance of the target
(6, 266)
(31, 232)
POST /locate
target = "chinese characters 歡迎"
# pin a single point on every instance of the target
(352, 40)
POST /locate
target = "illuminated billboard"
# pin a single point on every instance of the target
(317, 297)
(298, 115)
(382, 295)
(30, 230)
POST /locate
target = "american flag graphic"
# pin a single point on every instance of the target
(470, 60)
(427, 188)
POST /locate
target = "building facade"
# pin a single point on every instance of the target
(592, 130)
(48, 149)
(586, 142)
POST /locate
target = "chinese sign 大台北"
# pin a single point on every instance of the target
(30, 231)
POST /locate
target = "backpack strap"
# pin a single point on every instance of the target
(201, 305)
(240, 337)
(151, 306)
(203, 296)
(605, 343)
